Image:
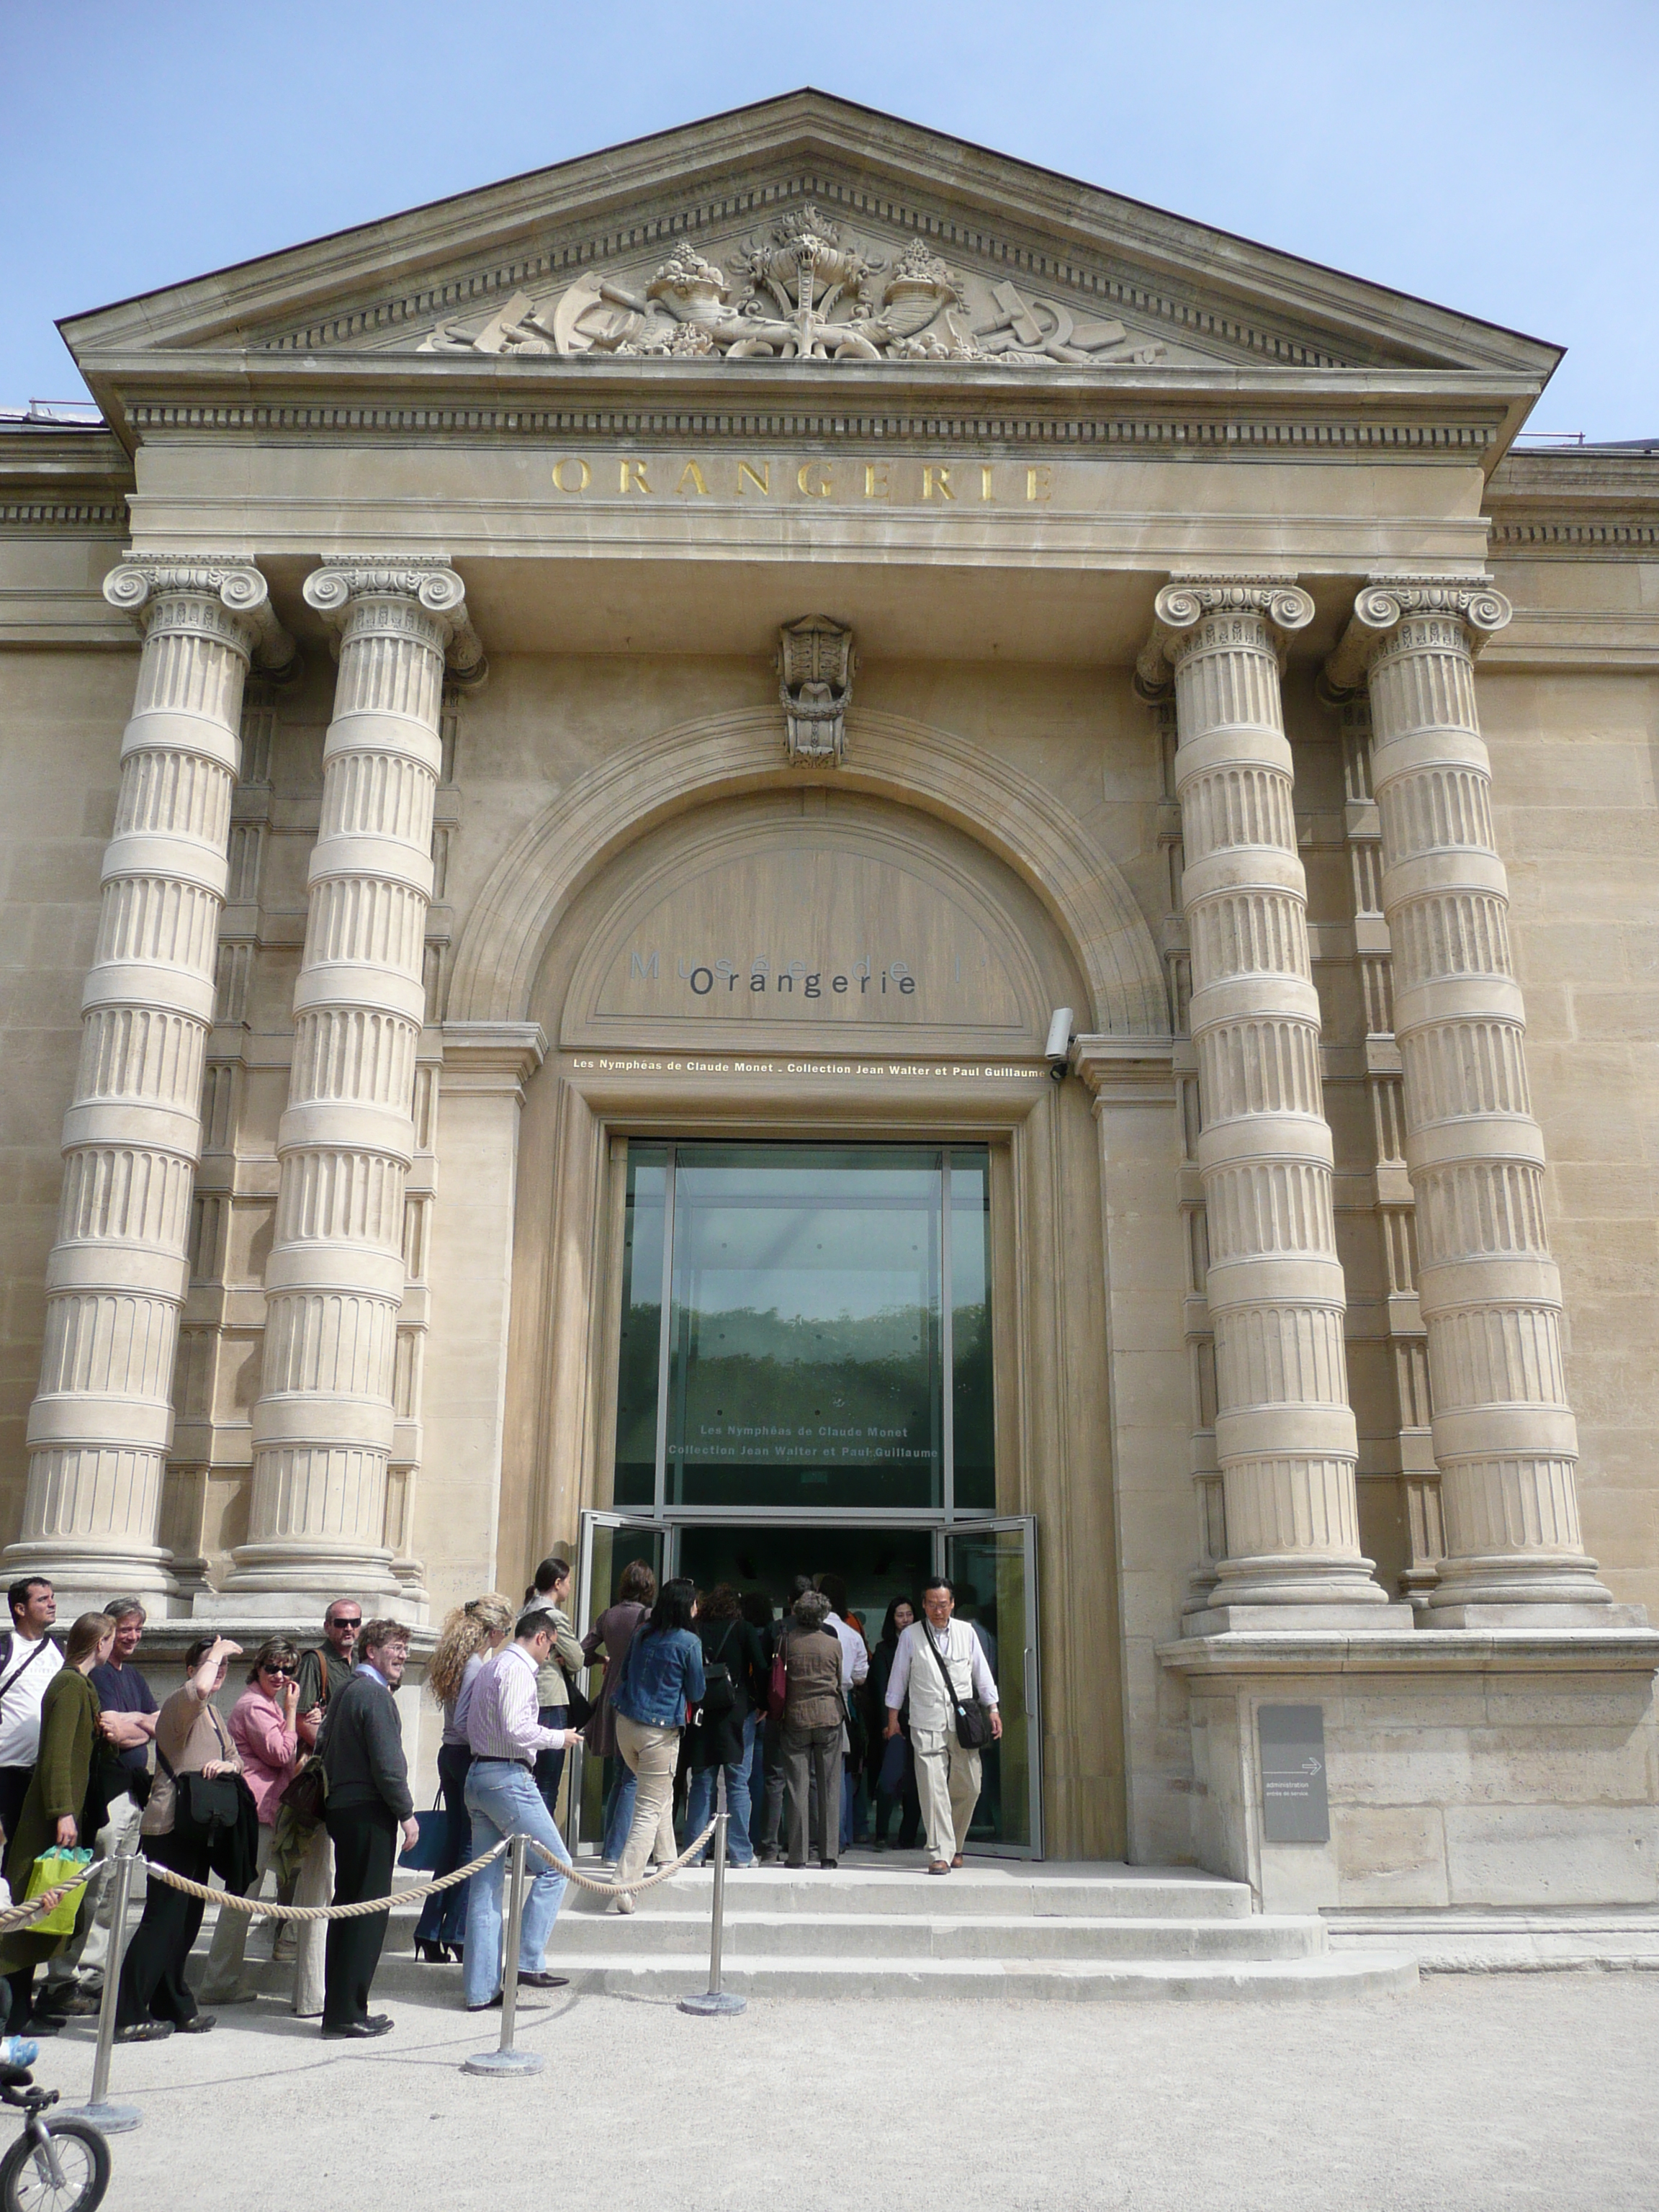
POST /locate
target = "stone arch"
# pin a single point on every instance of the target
(507, 934)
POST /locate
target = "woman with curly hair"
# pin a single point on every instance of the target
(470, 1634)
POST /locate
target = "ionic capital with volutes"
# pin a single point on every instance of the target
(1187, 603)
(1470, 603)
(226, 592)
(348, 584)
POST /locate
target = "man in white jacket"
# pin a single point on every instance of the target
(947, 1775)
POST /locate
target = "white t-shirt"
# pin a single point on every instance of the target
(23, 1686)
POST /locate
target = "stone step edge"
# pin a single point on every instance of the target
(1368, 1971)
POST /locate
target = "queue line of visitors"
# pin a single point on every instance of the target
(694, 1689)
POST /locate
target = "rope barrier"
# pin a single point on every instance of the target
(616, 1888)
(265, 1906)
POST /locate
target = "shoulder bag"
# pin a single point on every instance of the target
(777, 1688)
(973, 1714)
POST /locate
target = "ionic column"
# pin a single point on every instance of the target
(1285, 1432)
(102, 1422)
(1504, 1438)
(334, 1281)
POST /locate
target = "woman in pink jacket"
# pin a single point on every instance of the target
(262, 1728)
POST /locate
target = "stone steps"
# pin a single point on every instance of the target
(883, 1928)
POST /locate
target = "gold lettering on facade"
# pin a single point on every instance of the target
(632, 477)
(985, 480)
(761, 479)
(1039, 481)
(820, 488)
(935, 479)
(571, 461)
(876, 483)
(692, 474)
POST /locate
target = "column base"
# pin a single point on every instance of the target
(84, 1576)
(288, 1567)
(1225, 1619)
(1525, 1590)
(1569, 1615)
(275, 1610)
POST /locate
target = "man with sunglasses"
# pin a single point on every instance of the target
(324, 1673)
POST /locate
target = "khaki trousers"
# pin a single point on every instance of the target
(947, 1782)
(314, 1887)
(652, 1753)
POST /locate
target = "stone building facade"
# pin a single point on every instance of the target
(801, 766)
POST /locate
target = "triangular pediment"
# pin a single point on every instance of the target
(804, 227)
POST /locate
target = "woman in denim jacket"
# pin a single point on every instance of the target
(661, 1676)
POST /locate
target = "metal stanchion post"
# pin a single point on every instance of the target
(110, 2119)
(505, 2059)
(714, 1999)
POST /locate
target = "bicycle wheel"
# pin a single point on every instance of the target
(26, 2180)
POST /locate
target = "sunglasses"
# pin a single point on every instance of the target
(281, 1673)
(357, 1623)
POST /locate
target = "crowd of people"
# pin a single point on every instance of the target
(820, 1738)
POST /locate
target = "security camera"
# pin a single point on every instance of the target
(1058, 1050)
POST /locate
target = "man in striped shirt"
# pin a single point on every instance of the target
(502, 1796)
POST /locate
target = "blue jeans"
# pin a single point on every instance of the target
(503, 1801)
(443, 1917)
(700, 1805)
(618, 1808)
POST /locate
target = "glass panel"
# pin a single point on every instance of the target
(877, 1564)
(975, 1435)
(640, 1356)
(606, 1549)
(991, 1574)
(805, 1327)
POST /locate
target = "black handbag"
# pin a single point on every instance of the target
(580, 1708)
(973, 1714)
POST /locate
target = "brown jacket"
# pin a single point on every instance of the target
(812, 1658)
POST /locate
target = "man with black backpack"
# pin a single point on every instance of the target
(734, 1671)
(29, 1660)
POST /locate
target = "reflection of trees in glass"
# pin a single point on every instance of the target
(975, 1408)
(749, 1367)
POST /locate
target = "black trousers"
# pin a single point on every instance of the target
(365, 1840)
(549, 1764)
(152, 1984)
(14, 1789)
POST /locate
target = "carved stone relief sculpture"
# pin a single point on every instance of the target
(816, 666)
(808, 290)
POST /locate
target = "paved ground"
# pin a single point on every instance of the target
(1477, 2092)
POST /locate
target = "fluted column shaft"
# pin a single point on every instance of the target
(334, 1281)
(1504, 1438)
(102, 1422)
(1285, 1432)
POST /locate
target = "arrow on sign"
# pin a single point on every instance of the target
(1309, 1766)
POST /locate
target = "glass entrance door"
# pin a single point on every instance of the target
(806, 1327)
(605, 1543)
(804, 1386)
(993, 1566)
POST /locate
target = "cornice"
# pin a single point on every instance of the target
(1428, 1652)
(76, 481)
(1572, 504)
(1456, 415)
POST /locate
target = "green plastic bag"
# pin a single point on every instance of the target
(49, 1871)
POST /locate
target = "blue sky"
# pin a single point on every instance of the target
(1499, 158)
